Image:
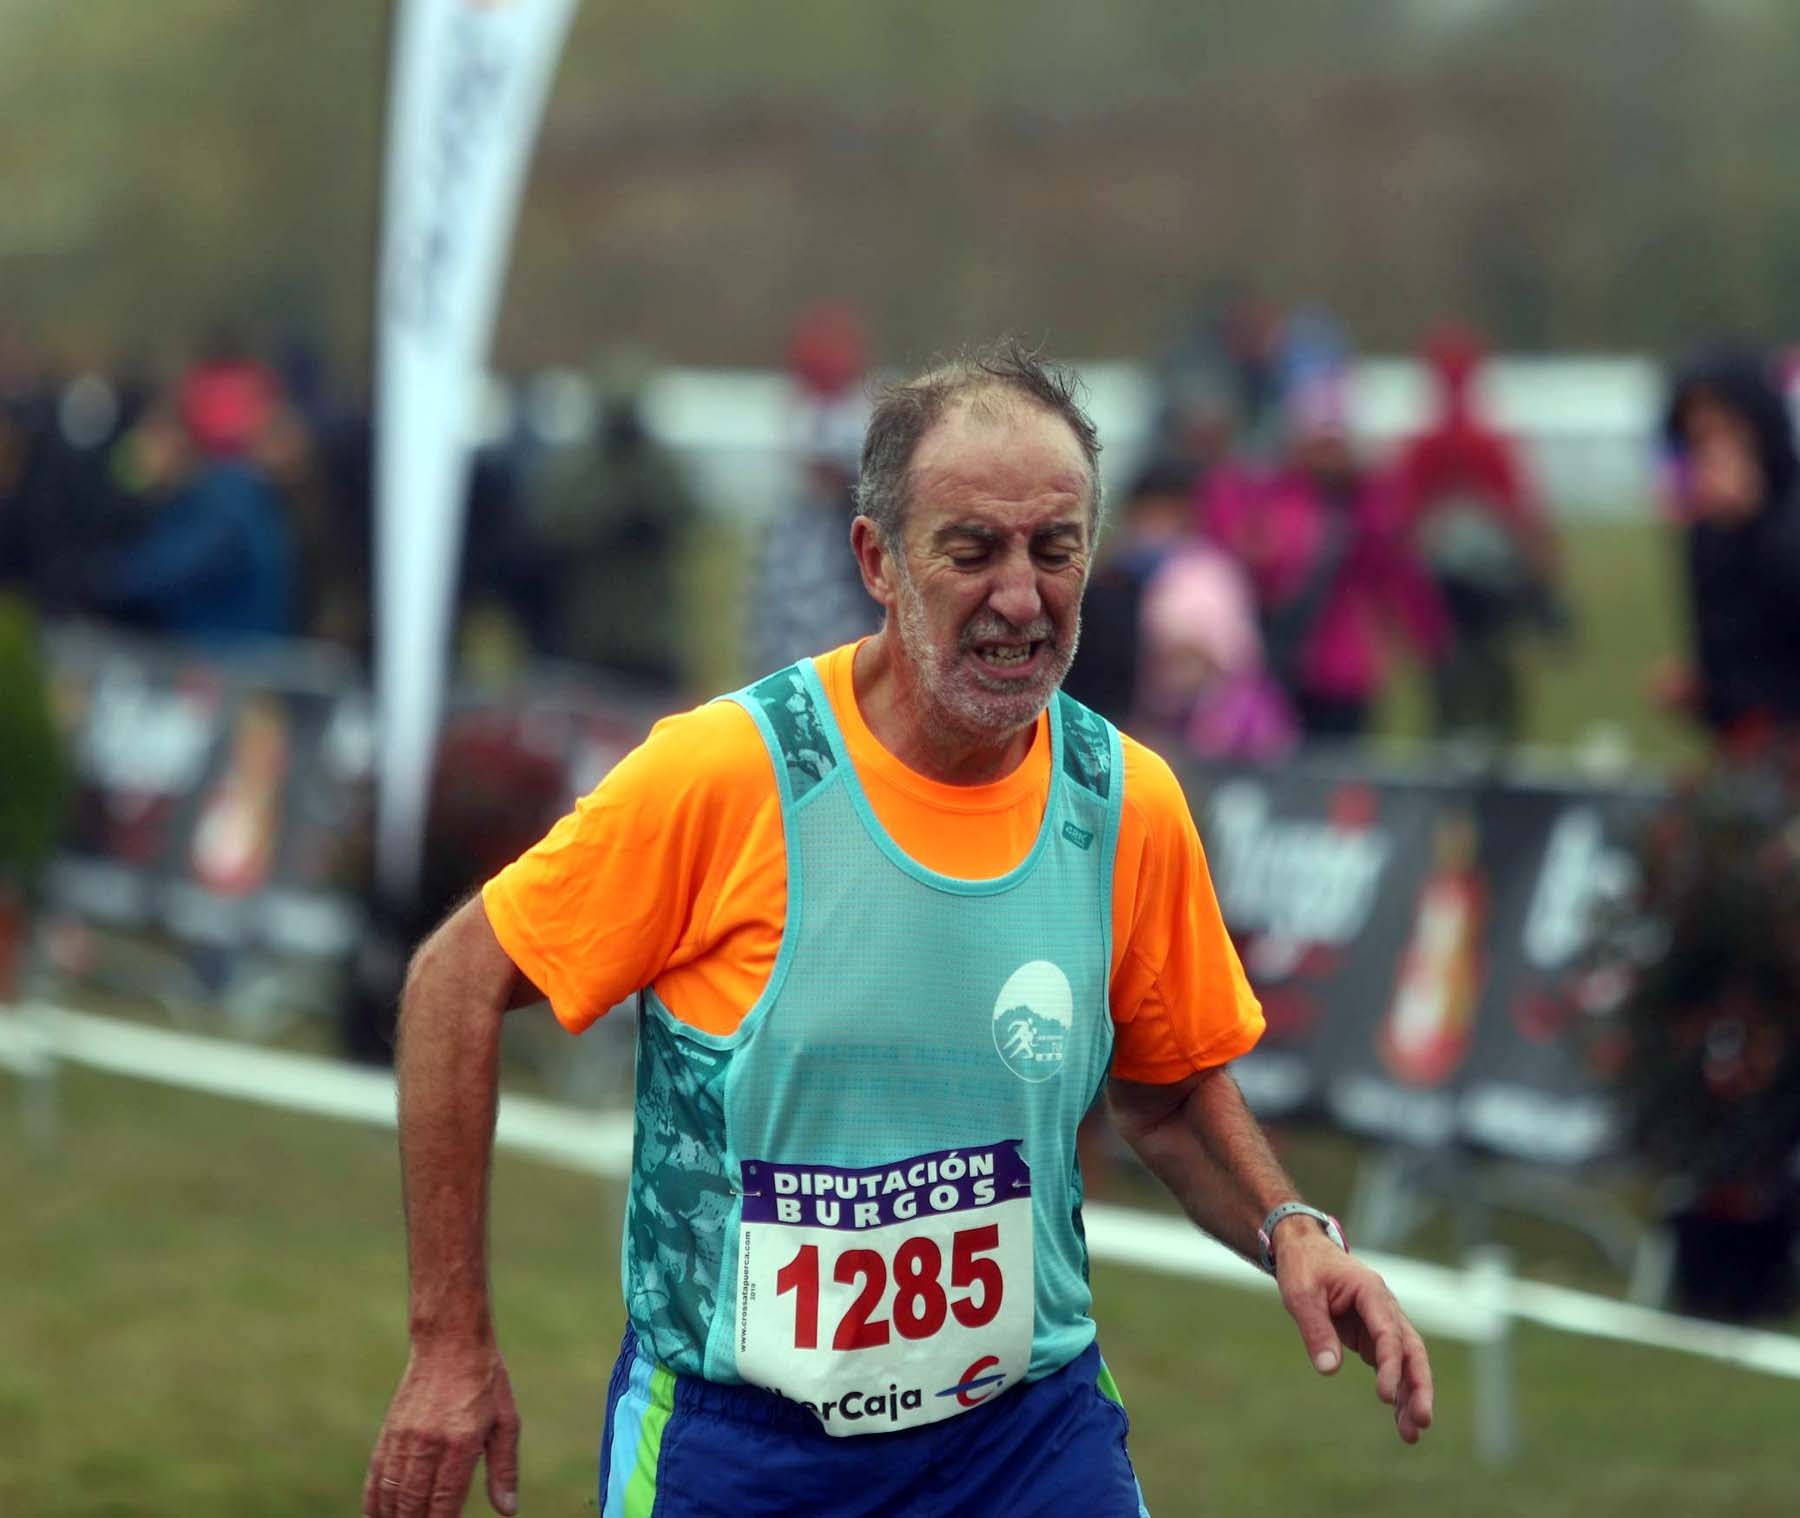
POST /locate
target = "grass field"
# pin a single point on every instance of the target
(201, 1313)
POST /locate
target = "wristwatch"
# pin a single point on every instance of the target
(1265, 1236)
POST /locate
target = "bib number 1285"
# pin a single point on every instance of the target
(920, 1304)
(887, 1296)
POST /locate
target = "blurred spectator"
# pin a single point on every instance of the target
(60, 507)
(1736, 484)
(1169, 644)
(1199, 426)
(215, 560)
(1332, 571)
(1312, 349)
(343, 597)
(827, 352)
(293, 448)
(613, 518)
(228, 400)
(807, 595)
(505, 569)
(1475, 520)
(1221, 378)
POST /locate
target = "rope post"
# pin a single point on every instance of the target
(1490, 1290)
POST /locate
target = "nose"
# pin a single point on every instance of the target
(1015, 594)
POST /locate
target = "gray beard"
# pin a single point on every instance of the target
(957, 702)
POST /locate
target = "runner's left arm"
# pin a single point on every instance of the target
(1200, 1140)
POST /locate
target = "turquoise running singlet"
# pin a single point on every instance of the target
(867, 1197)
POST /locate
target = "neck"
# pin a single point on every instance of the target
(900, 714)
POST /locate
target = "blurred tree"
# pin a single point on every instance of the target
(1690, 995)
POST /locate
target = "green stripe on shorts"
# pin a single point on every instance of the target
(640, 1491)
(1109, 1388)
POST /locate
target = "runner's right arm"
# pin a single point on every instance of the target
(454, 1401)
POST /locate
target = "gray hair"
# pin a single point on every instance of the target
(905, 412)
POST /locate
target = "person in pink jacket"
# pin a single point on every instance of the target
(1322, 540)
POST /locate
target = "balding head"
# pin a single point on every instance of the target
(991, 385)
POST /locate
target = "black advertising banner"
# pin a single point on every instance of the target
(1529, 1095)
(1312, 870)
(1394, 1068)
(1408, 938)
(228, 803)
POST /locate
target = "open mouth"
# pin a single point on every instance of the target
(1010, 657)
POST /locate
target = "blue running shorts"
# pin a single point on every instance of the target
(680, 1447)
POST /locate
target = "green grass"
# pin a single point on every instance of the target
(201, 1313)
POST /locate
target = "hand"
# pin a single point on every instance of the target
(1337, 1300)
(451, 1406)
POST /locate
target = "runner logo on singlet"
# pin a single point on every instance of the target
(1032, 1019)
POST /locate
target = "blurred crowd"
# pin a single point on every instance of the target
(1263, 574)
(224, 503)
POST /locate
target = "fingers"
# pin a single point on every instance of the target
(1402, 1368)
(424, 1477)
(391, 1468)
(503, 1453)
(1387, 1358)
(416, 1481)
(1414, 1405)
(1372, 1323)
(420, 1475)
(454, 1472)
(1312, 1316)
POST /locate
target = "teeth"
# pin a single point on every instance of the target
(1005, 655)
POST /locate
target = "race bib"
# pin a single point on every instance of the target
(888, 1297)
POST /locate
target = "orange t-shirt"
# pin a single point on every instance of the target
(672, 872)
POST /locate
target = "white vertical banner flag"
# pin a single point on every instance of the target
(469, 79)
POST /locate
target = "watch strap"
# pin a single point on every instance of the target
(1265, 1236)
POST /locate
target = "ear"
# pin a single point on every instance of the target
(872, 558)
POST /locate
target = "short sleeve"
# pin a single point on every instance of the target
(624, 886)
(1180, 1000)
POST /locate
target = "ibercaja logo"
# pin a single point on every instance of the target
(979, 1382)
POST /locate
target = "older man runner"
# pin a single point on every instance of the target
(896, 913)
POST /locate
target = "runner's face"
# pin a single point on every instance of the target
(996, 544)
